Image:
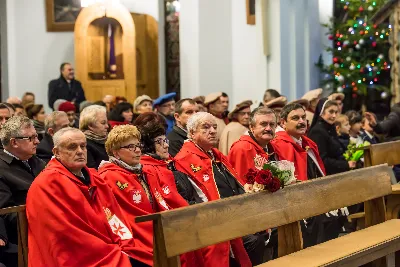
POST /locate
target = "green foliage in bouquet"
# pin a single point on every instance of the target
(283, 170)
(354, 152)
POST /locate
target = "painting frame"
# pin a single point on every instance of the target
(251, 12)
(52, 25)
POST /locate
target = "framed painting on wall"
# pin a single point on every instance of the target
(61, 14)
(251, 12)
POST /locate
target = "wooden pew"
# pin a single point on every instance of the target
(191, 228)
(382, 153)
(22, 228)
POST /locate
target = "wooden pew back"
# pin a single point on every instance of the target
(22, 228)
(187, 229)
(388, 153)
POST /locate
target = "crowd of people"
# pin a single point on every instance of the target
(88, 169)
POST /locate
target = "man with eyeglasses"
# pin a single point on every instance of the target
(18, 168)
(238, 126)
(73, 212)
(165, 106)
(211, 174)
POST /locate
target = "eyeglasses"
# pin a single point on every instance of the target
(133, 147)
(244, 113)
(162, 141)
(30, 138)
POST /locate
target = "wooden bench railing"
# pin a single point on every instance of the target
(22, 228)
(384, 153)
(191, 228)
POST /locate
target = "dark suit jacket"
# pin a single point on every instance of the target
(59, 89)
(95, 154)
(44, 149)
(176, 139)
(15, 180)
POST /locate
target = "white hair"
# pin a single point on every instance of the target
(59, 134)
(88, 116)
(197, 118)
(12, 128)
(50, 121)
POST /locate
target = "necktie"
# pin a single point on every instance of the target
(25, 162)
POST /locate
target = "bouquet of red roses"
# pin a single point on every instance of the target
(273, 176)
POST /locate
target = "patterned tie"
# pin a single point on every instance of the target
(25, 162)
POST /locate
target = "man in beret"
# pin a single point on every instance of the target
(239, 125)
(69, 108)
(313, 97)
(276, 105)
(217, 108)
(200, 103)
(165, 106)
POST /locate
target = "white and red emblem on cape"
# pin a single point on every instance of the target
(117, 226)
(137, 196)
(160, 200)
(259, 162)
(206, 177)
(166, 190)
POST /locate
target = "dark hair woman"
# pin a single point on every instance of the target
(121, 114)
(156, 159)
(37, 115)
(323, 133)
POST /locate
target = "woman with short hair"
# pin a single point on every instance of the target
(137, 191)
(121, 114)
(93, 123)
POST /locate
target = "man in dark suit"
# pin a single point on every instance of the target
(66, 87)
(184, 109)
(54, 122)
(18, 168)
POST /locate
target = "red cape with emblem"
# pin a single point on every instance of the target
(195, 163)
(246, 154)
(135, 202)
(73, 224)
(287, 149)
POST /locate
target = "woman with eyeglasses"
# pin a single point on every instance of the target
(137, 191)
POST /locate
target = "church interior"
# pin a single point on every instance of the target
(199, 133)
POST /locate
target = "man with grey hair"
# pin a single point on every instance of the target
(54, 122)
(18, 167)
(70, 208)
(253, 150)
(210, 173)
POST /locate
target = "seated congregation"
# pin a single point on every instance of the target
(87, 171)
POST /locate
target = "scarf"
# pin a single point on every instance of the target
(134, 169)
(95, 137)
(138, 171)
(39, 126)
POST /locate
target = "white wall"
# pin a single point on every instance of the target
(249, 64)
(34, 55)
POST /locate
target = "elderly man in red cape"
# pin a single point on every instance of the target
(253, 150)
(212, 175)
(294, 146)
(74, 218)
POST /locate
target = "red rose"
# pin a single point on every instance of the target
(263, 177)
(273, 185)
(250, 176)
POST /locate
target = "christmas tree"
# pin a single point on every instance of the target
(360, 52)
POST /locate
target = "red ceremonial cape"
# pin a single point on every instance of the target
(246, 154)
(134, 201)
(72, 224)
(287, 149)
(195, 163)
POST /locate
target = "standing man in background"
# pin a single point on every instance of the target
(66, 87)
